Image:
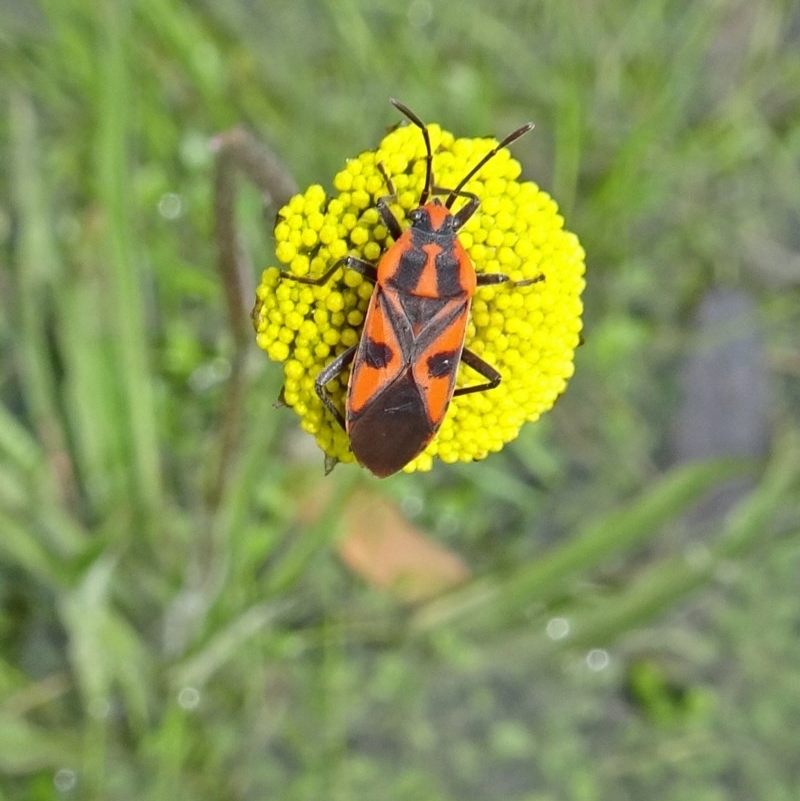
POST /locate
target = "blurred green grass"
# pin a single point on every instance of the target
(163, 635)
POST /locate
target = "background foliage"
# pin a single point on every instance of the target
(175, 617)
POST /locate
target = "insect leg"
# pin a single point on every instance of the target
(491, 375)
(331, 371)
(490, 279)
(360, 266)
(382, 204)
(467, 210)
(389, 220)
(389, 181)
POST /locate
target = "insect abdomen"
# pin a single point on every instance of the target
(392, 429)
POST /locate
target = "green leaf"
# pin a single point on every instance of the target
(489, 601)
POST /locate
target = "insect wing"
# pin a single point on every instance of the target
(437, 357)
(380, 357)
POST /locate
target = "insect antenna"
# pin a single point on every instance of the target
(513, 136)
(426, 192)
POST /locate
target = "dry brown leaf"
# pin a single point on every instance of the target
(382, 547)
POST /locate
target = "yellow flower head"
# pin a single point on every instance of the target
(528, 333)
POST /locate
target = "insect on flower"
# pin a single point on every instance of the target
(403, 369)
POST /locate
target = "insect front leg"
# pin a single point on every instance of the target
(382, 204)
(388, 219)
(467, 210)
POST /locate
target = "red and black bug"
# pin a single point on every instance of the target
(404, 367)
